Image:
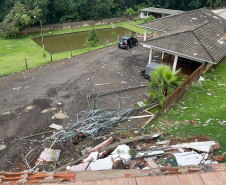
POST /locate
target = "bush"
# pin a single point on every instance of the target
(148, 19)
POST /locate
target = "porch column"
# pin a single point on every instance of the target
(162, 55)
(150, 56)
(145, 34)
(175, 63)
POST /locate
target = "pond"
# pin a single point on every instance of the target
(64, 42)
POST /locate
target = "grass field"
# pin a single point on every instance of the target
(201, 111)
(14, 51)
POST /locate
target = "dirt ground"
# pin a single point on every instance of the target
(30, 100)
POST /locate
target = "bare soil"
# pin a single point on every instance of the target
(61, 85)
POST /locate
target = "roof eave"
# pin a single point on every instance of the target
(154, 29)
(176, 53)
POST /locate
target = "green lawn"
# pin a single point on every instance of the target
(208, 111)
(14, 51)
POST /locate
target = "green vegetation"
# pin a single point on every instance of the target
(19, 18)
(13, 51)
(201, 111)
(92, 39)
(77, 10)
(163, 82)
(149, 18)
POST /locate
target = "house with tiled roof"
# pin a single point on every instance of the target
(198, 36)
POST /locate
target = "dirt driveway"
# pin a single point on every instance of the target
(29, 100)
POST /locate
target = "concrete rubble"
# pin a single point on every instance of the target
(147, 154)
(49, 155)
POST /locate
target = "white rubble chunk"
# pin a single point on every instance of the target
(121, 152)
(55, 126)
(2, 147)
(92, 157)
(189, 158)
(102, 164)
(200, 146)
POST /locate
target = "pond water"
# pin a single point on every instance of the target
(64, 42)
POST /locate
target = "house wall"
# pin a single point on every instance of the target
(144, 15)
(70, 25)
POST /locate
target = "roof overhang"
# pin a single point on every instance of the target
(175, 53)
(154, 29)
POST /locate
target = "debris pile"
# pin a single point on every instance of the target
(147, 153)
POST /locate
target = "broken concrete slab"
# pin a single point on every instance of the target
(92, 157)
(121, 152)
(55, 126)
(200, 146)
(81, 167)
(102, 164)
(189, 158)
(49, 155)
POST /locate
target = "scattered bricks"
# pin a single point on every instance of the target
(148, 145)
(219, 158)
(101, 145)
(127, 175)
(217, 145)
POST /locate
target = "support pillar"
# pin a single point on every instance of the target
(145, 34)
(175, 63)
(162, 55)
(150, 56)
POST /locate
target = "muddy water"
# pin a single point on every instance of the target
(64, 42)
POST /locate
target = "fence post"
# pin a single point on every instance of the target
(26, 63)
(51, 57)
(71, 52)
(89, 46)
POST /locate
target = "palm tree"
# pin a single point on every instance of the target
(163, 82)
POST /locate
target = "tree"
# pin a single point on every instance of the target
(92, 39)
(163, 82)
(19, 18)
(130, 12)
(194, 4)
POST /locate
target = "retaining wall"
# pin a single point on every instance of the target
(69, 25)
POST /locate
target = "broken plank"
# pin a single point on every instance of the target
(148, 121)
(138, 117)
